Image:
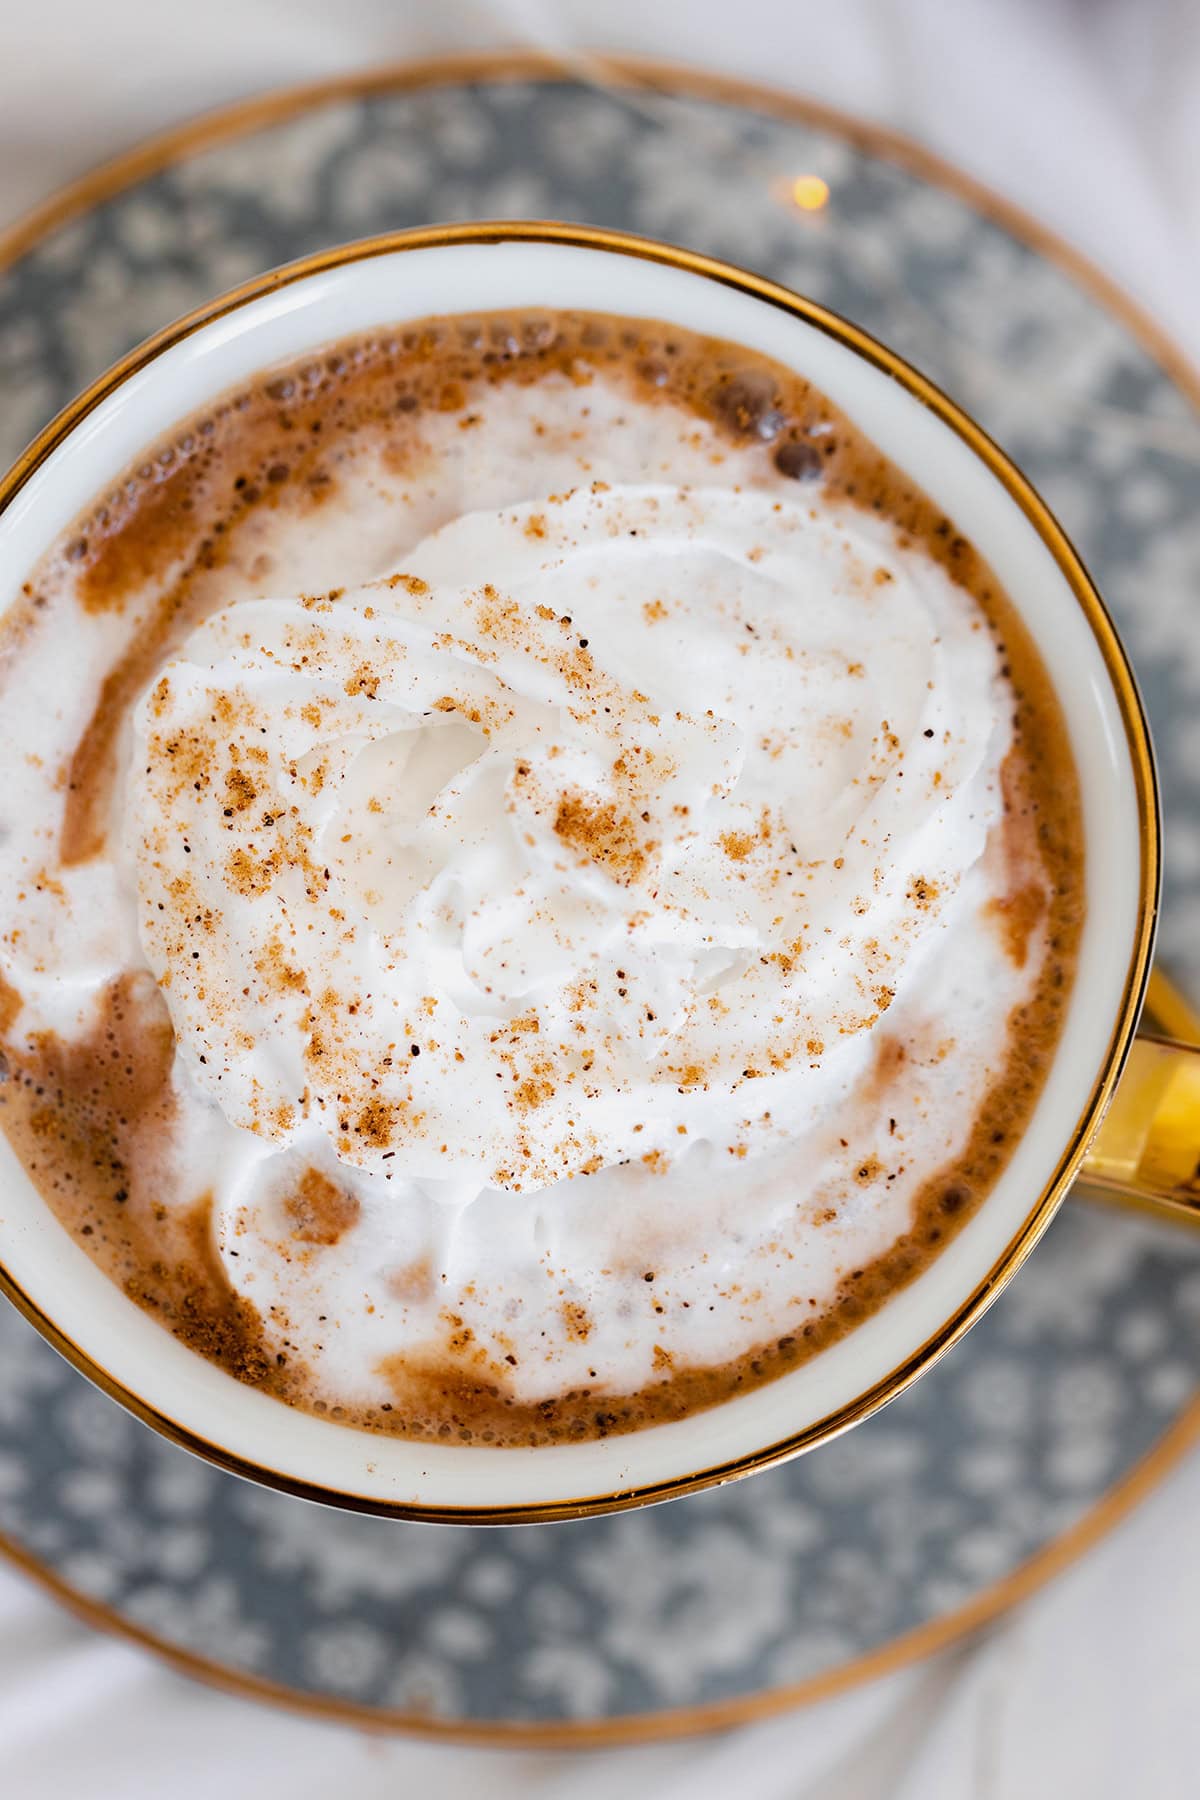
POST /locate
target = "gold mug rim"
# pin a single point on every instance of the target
(1138, 744)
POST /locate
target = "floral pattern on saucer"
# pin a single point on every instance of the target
(1094, 1350)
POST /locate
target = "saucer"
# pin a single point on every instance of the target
(1079, 1387)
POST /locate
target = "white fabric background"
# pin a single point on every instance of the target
(1086, 112)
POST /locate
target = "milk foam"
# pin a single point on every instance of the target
(552, 874)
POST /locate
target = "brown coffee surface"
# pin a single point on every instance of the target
(93, 1119)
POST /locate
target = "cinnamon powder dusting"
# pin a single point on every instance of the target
(599, 833)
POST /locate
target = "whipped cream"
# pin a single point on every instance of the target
(578, 876)
(612, 820)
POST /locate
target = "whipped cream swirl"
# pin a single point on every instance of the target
(607, 823)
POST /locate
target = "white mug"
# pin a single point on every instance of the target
(471, 268)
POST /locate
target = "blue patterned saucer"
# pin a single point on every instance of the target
(1078, 1385)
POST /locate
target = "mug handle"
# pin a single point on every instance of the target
(1147, 1149)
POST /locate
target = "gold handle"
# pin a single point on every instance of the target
(1147, 1151)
